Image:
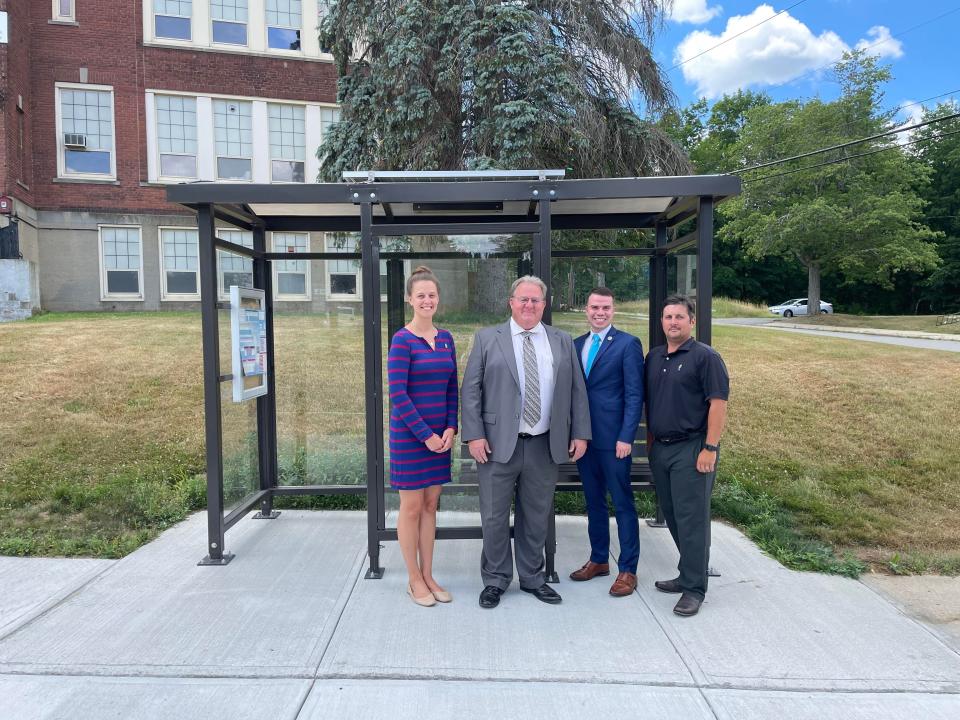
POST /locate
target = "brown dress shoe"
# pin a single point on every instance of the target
(590, 571)
(624, 585)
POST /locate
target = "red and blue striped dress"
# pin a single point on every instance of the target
(423, 394)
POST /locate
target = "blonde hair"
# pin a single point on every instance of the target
(422, 272)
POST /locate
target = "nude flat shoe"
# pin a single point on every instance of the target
(442, 596)
(425, 601)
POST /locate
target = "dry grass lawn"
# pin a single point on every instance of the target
(102, 439)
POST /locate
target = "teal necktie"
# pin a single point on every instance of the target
(592, 355)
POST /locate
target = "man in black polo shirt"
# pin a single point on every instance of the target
(686, 389)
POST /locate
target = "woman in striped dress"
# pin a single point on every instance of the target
(422, 373)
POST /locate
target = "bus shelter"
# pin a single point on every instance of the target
(374, 208)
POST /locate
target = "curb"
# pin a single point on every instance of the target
(867, 331)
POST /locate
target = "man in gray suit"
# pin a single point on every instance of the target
(524, 409)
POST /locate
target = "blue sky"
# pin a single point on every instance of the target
(782, 55)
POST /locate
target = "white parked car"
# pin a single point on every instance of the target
(797, 306)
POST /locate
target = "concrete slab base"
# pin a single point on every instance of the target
(419, 699)
(32, 697)
(30, 586)
(290, 629)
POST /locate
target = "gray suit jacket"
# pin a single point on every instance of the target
(490, 394)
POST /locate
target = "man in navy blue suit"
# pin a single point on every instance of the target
(612, 363)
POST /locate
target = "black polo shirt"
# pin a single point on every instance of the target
(679, 386)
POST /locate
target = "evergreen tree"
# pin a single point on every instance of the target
(441, 84)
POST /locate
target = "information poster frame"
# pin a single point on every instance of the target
(249, 348)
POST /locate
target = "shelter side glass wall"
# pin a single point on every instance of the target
(239, 449)
(318, 341)
(682, 273)
(473, 295)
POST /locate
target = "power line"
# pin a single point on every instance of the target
(895, 131)
(733, 37)
(852, 157)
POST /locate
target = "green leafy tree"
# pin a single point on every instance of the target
(440, 84)
(941, 153)
(861, 217)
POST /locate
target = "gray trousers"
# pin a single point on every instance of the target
(684, 495)
(530, 477)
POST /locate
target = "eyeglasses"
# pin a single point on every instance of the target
(528, 300)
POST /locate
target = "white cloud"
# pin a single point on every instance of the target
(914, 114)
(695, 12)
(776, 52)
(879, 42)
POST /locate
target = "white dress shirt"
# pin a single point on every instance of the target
(541, 344)
(589, 342)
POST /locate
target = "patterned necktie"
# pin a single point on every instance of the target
(592, 355)
(531, 382)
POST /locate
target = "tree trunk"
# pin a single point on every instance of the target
(813, 290)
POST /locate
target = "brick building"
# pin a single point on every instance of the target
(104, 102)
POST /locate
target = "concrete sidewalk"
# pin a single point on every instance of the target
(290, 629)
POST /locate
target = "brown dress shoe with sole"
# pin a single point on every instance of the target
(624, 585)
(590, 571)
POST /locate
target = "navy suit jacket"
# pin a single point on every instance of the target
(614, 388)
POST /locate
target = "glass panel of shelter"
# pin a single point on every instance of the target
(474, 289)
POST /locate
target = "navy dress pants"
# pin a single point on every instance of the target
(601, 472)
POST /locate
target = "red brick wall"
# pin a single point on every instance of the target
(15, 160)
(108, 41)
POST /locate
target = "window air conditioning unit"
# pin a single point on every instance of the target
(74, 140)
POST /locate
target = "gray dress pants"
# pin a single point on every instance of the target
(684, 495)
(530, 476)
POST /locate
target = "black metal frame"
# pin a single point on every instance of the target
(353, 210)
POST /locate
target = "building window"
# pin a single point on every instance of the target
(284, 19)
(229, 21)
(64, 11)
(291, 280)
(121, 262)
(171, 19)
(233, 133)
(234, 269)
(180, 264)
(177, 135)
(343, 276)
(86, 131)
(287, 146)
(328, 117)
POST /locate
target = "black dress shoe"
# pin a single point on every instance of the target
(545, 593)
(669, 586)
(687, 605)
(490, 596)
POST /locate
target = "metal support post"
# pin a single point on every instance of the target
(266, 404)
(541, 268)
(705, 270)
(373, 380)
(395, 296)
(658, 293)
(211, 388)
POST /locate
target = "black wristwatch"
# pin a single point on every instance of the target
(711, 448)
